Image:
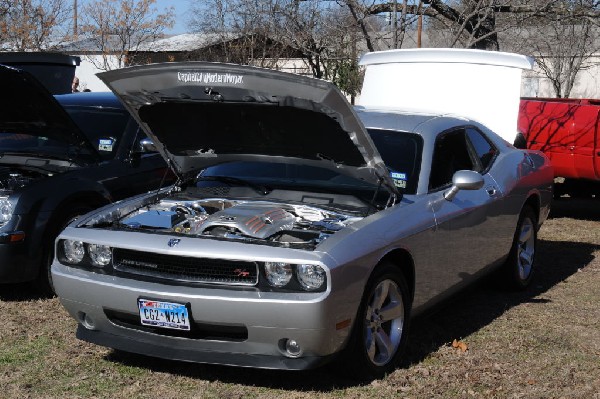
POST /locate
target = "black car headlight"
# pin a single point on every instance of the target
(6, 210)
(79, 253)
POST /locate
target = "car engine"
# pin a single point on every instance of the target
(12, 179)
(240, 220)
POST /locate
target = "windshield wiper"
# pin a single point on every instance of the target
(236, 181)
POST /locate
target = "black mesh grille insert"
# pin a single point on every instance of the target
(183, 268)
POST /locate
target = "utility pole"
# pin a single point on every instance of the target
(419, 23)
(75, 19)
(395, 24)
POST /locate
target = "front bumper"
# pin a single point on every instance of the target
(106, 308)
(15, 263)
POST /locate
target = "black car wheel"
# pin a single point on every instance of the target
(519, 267)
(380, 330)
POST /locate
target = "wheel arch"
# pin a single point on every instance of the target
(91, 199)
(403, 260)
(533, 201)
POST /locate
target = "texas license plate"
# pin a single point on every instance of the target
(164, 314)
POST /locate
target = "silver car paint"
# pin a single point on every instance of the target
(450, 243)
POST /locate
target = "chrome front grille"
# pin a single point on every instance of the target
(185, 268)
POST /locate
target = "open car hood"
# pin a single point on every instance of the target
(27, 107)
(201, 114)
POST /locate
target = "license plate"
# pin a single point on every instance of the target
(164, 314)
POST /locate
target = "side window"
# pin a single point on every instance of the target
(486, 152)
(451, 154)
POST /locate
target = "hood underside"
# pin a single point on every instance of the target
(28, 108)
(201, 114)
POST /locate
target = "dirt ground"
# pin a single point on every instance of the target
(541, 343)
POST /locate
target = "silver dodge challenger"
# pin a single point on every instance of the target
(300, 229)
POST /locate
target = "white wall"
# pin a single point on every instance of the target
(86, 72)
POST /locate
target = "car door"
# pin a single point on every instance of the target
(465, 241)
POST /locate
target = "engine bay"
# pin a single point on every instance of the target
(257, 221)
(12, 179)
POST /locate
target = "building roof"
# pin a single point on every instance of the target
(183, 42)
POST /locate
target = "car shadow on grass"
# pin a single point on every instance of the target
(19, 292)
(576, 208)
(484, 302)
(463, 315)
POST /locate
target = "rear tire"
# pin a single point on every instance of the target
(379, 336)
(520, 266)
(43, 281)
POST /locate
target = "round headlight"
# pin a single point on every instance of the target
(100, 255)
(310, 277)
(6, 210)
(278, 273)
(74, 251)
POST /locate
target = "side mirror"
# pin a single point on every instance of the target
(147, 145)
(464, 180)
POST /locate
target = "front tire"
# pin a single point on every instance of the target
(380, 331)
(520, 265)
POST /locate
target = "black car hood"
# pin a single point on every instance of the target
(201, 114)
(27, 107)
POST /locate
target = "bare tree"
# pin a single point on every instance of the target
(562, 44)
(119, 28)
(33, 25)
(313, 30)
(236, 31)
(280, 34)
(330, 35)
(473, 23)
(401, 17)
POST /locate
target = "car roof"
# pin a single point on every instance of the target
(90, 99)
(409, 121)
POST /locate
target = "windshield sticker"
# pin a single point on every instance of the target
(399, 179)
(208, 77)
(105, 144)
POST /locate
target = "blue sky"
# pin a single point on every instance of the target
(181, 8)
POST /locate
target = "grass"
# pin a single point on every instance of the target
(541, 343)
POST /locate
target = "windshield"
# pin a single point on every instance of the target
(20, 142)
(36, 145)
(401, 152)
(103, 127)
(286, 174)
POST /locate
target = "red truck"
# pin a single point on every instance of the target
(568, 132)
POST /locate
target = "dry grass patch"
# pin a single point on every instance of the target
(542, 343)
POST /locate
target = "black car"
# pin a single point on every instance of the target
(61, 157)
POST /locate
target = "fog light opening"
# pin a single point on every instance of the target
(292, 348)
(86, 320)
